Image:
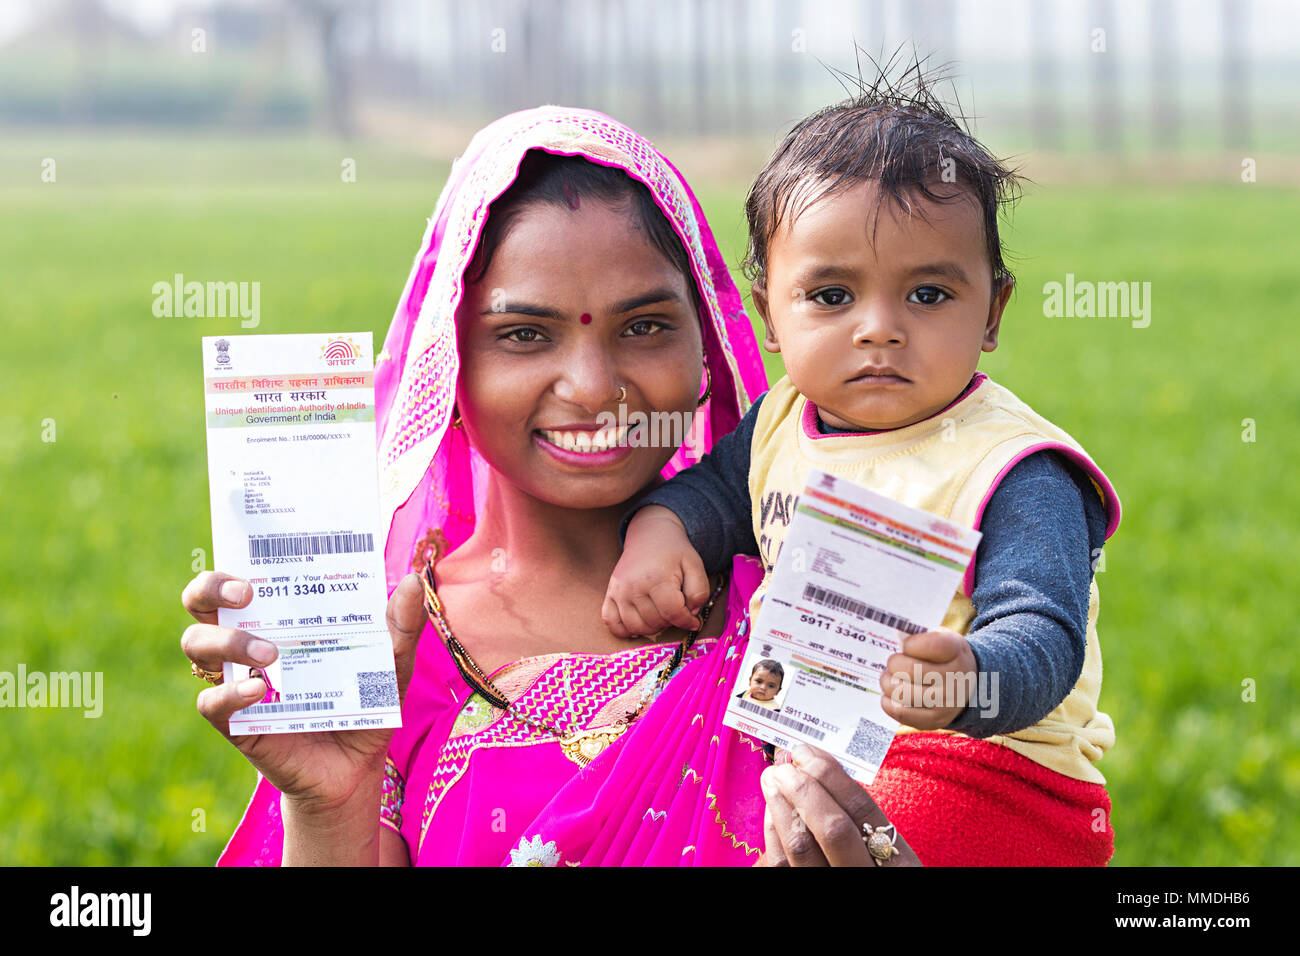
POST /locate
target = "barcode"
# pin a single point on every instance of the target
(806, 729)
(870, 742)
(812, 592)
(770, 714)
(281, 708)
(754, 708)
(294, 545)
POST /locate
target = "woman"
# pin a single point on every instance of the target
(530, 734)
(272, 696)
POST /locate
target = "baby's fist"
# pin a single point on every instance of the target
(930, 682)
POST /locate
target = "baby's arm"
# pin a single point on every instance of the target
(687, 528)
(1032, 576)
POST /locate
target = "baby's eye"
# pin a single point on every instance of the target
(832, 297)
(928, 295)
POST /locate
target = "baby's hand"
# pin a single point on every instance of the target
(659, 581)
(927, 685)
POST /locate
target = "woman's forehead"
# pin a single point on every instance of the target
(597, 253)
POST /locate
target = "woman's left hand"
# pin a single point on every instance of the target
(815, 814)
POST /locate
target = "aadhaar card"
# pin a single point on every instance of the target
(295, 512)
(856, 574)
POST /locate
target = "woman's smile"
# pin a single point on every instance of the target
(586, 446)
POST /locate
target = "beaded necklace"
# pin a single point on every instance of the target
(580, 746)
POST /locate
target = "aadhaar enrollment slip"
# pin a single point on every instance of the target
(295, 512)
(857, 573)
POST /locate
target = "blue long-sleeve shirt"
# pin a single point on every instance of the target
(1033, 568)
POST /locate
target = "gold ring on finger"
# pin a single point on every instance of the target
(212, 677)
(880, 842)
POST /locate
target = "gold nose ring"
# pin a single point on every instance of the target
(622, 394)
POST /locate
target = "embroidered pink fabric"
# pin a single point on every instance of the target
(675, 788)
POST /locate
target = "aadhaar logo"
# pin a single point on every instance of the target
(340, 352)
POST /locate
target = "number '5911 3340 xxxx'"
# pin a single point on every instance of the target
(285, 590)
(838, 628)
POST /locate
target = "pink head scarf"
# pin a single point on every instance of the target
(678, 787)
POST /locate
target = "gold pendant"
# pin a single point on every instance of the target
(584, 747)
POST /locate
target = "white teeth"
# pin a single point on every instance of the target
(587, 443)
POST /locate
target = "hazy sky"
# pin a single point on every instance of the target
(982, 28)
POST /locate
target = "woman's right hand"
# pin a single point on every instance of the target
(816, 814)
(319, 771)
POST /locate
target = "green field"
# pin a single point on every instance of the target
(101, 524)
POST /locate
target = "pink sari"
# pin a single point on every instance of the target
(466, 784)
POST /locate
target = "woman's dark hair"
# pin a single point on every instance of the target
(565, 181)
(895, 132)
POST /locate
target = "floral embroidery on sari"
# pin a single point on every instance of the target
(535, 853)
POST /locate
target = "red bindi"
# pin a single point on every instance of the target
(585, 318)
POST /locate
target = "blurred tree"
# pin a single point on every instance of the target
(1235, 102)
(88, 23)
(1044, 90)
(703, 46)
(1162, 33)
(325, 16)
(1104, 73)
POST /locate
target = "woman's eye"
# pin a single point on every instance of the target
(832, 297)
(522, 335)
(928, 295)
(643, 327)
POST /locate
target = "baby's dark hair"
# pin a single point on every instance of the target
(564, 181)
(772, 667)
(896, 132)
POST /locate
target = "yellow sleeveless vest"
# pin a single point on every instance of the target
(947, 465)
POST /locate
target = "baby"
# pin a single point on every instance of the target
(878, 272)
(764, 683)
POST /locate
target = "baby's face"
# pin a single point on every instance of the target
(763, 685)
(880, 331)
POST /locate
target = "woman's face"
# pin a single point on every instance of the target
(575, 304)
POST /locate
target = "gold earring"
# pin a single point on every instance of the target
(708, 388)
(455, 417)
(622, 394)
